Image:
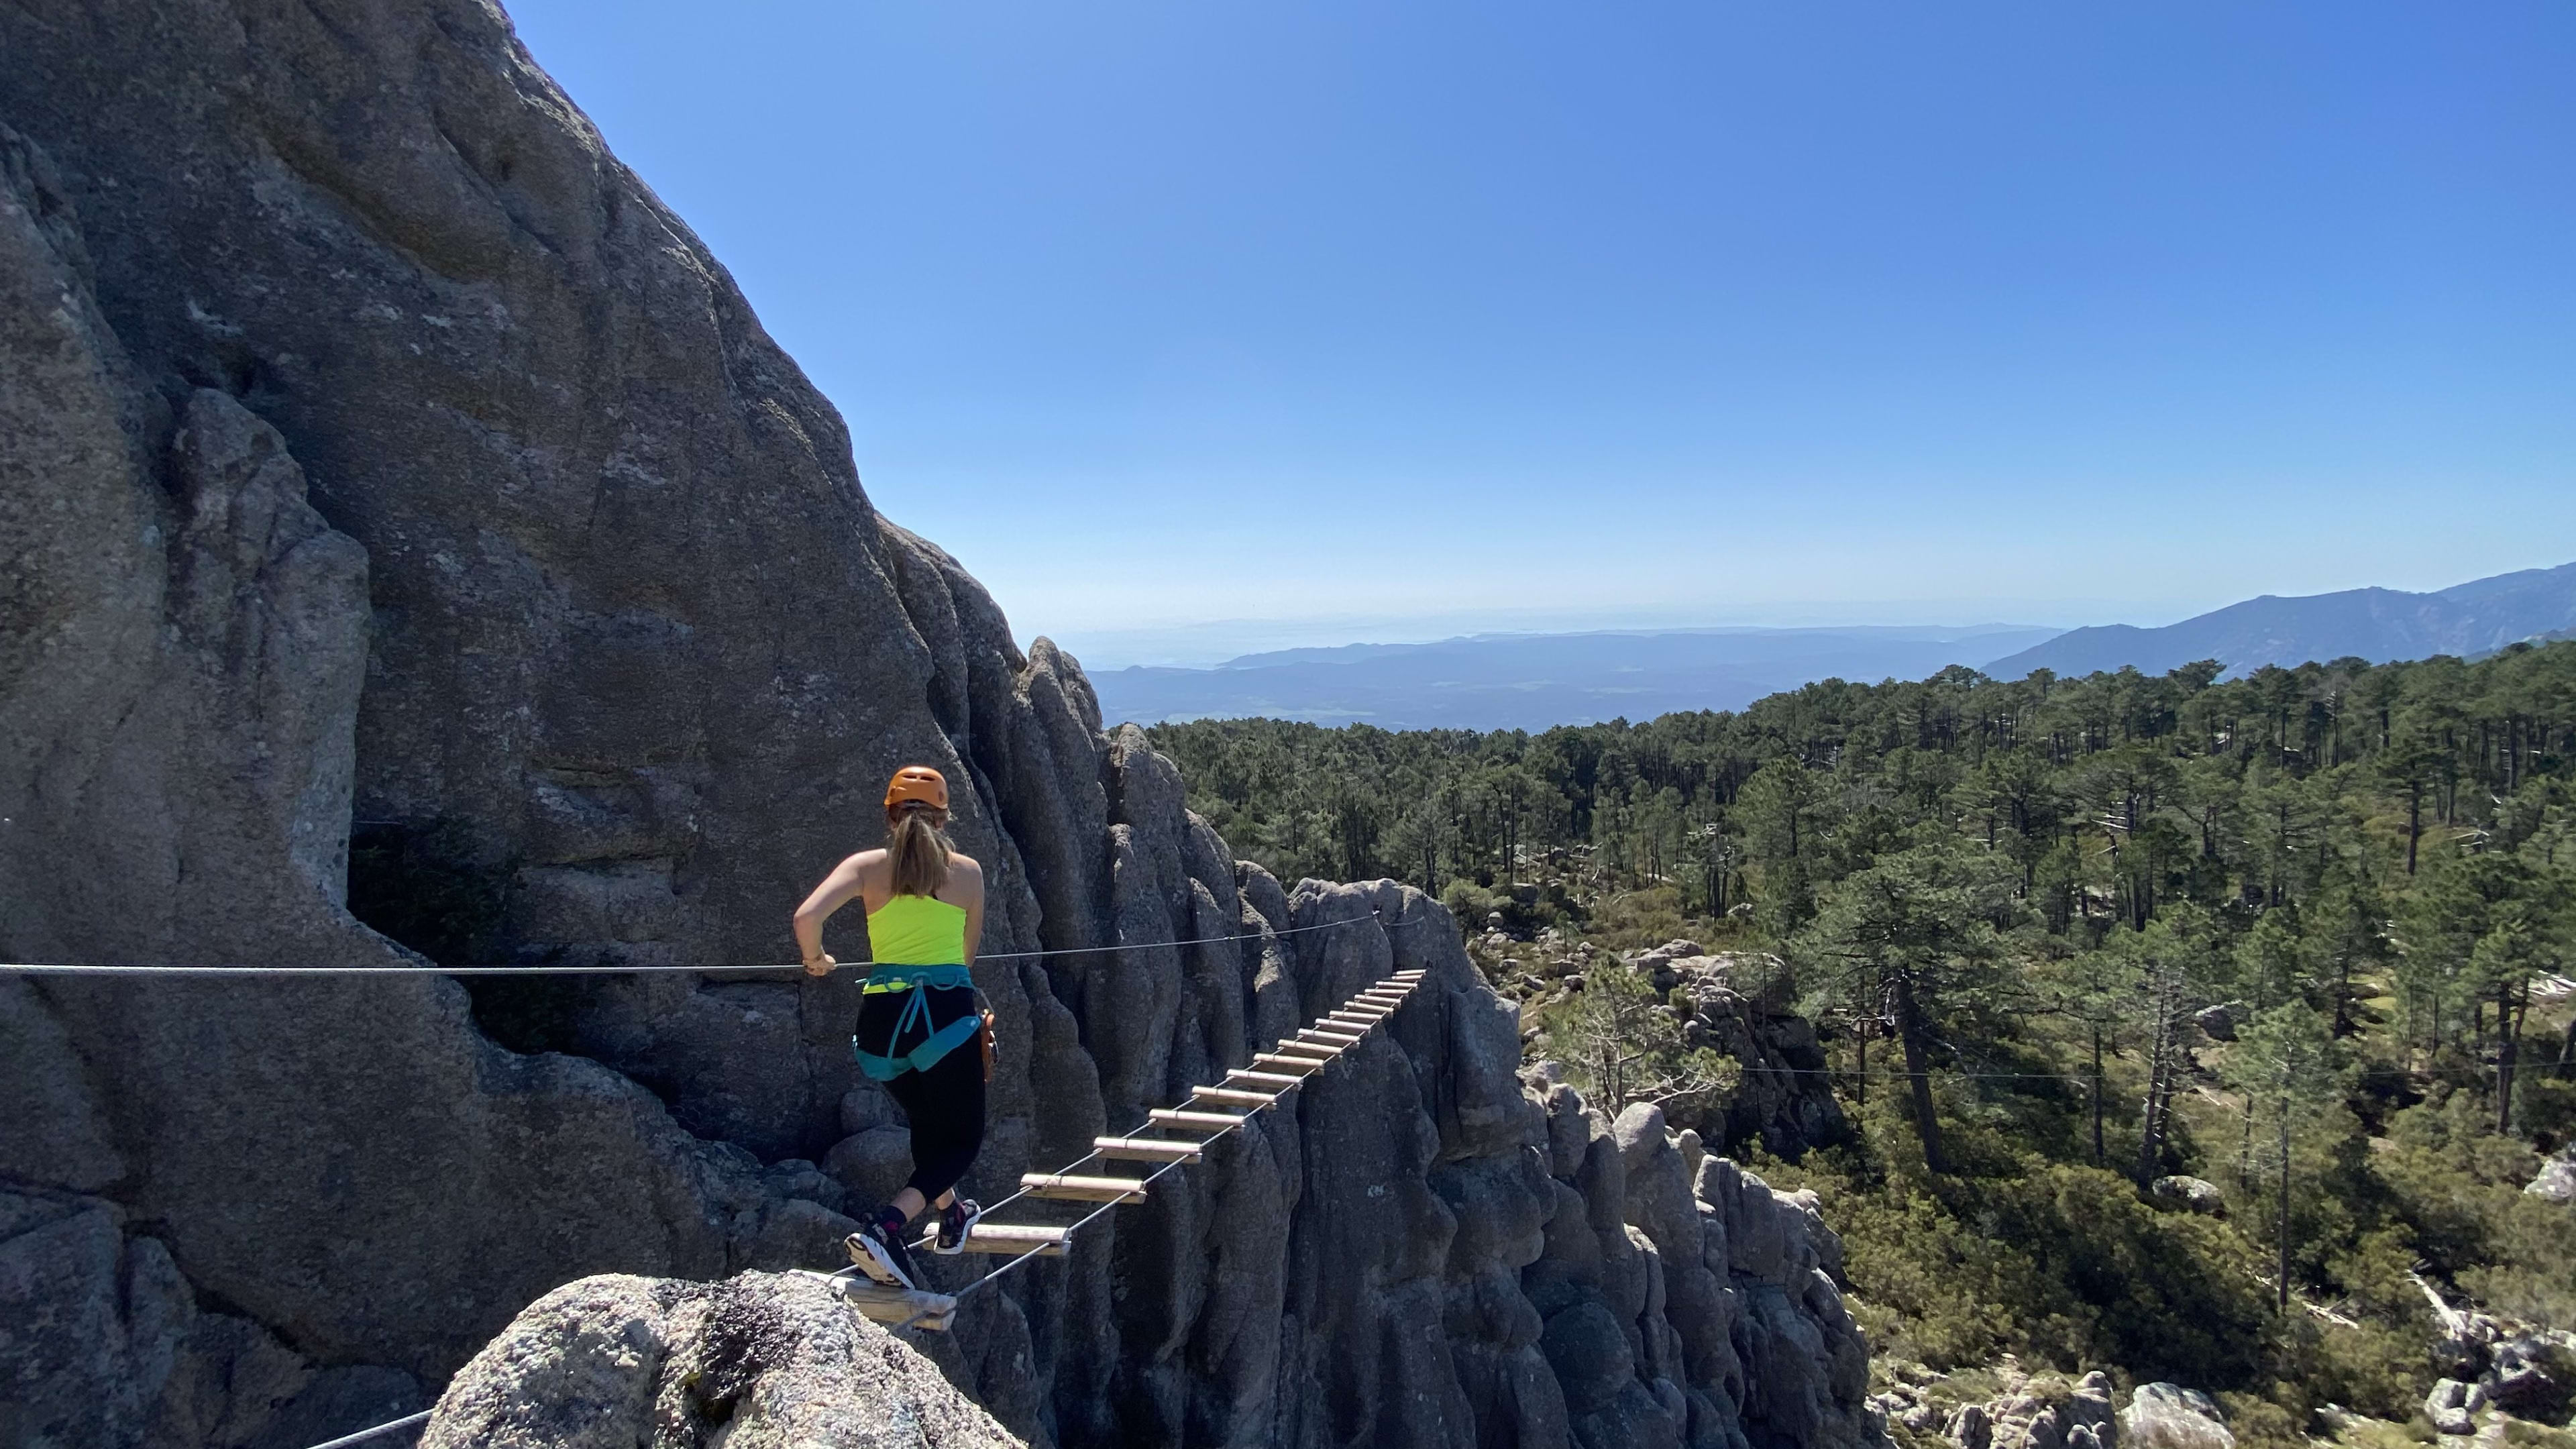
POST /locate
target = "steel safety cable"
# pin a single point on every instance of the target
(642, 969)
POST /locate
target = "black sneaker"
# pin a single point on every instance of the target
(877, 1248)
(955, 1221)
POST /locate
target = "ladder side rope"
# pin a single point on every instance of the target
(1088, 1218)
(46, 969)
(363, 1435)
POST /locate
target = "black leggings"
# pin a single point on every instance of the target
(945, 1106)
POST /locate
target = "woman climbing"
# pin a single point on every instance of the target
(925, 906)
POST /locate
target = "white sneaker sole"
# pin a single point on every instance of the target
(872, 1260)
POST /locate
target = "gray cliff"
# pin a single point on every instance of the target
(410, 542)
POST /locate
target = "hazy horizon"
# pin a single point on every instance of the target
(1211, 642)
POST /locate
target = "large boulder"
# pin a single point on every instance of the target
(2556, 1180)
(757, 1361)
(2188, 1194)
(2169, 1416)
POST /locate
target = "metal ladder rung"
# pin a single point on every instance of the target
(1066, 1187)
(1145, 1149)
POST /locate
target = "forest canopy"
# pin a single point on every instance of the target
(2303, 935)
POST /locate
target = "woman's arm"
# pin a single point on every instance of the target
(837, 890)
(974, 902)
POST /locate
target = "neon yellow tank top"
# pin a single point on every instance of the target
(917, 931)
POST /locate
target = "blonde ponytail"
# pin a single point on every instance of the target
(918, 852)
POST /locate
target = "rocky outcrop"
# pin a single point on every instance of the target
(2188, 1194)
(750, 1362)
(2033, 1411)
(2080, 1417)
(1783, 1100)
(413, 545)
(2556, 1180)
(2169, 1416)
(1684, 1301)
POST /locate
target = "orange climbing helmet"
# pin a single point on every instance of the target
(918, 782)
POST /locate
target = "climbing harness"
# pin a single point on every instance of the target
(919, 981)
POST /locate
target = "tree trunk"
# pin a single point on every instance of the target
(2414, 820)
(1910, 1032)
(2151, 1127)
(2285, 1205)
(2097, 1094)
(2508, 1052)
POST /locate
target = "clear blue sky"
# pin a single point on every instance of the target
(1379, 319)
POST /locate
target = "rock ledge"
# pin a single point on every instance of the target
(756, 1360)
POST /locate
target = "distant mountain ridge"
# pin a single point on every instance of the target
(1534, 681)
(2477, 617)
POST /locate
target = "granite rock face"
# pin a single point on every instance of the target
(758, 1361)
(1725, 1294)
(411, 545)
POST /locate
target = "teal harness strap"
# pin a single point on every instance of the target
(916, 1012)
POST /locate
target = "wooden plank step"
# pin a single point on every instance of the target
(1388, 994)
(1293, 1056)
(1301, 1065)
(1347, 1028)
(1233, 1097)
(1145, 1149)
(1361, 1019)
(888, 1305)
(1014, 1240)
(1266, 1079)
(1065, 1187)
(1181, 1117)
(1329, 1036)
